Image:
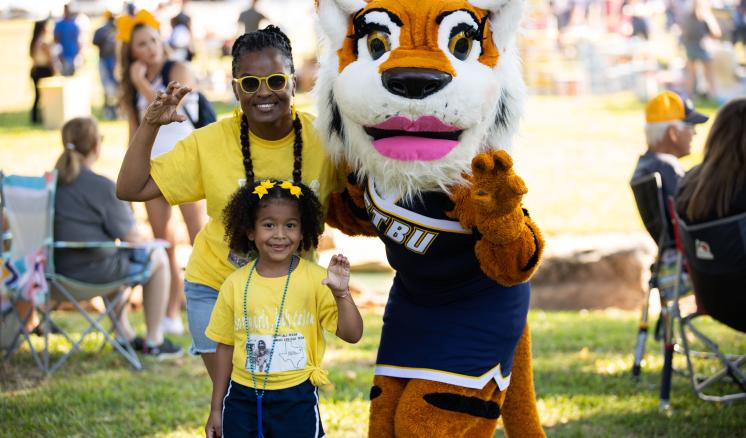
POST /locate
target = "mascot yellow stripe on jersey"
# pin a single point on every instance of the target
(420, 99)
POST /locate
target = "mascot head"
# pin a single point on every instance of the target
(410, 91)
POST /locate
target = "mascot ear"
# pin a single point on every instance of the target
(334, 16)
(504, 20)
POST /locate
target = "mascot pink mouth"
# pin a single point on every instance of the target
(424, 139)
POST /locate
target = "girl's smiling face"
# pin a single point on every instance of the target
(265, 106)
(277, 231)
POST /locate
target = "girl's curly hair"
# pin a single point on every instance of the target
(239, 216)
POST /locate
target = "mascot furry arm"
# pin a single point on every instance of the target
(416, 97)
(511, 243)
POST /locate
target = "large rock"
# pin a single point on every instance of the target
(364, 253)
(577, 272)
(593, 272)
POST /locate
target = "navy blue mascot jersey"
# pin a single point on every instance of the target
(445, 320)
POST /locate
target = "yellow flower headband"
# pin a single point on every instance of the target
(264, 186)
(126, 23)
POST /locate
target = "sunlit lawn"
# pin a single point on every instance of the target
(581, 366)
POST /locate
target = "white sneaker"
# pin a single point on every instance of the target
(172, 326)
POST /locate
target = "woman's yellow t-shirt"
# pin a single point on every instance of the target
(208, 164)
(299, 347)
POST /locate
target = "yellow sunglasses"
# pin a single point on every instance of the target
(251, 84)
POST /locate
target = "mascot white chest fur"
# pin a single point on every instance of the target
(420, 99)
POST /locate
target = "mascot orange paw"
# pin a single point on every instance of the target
(511, 243)
(496, 189)
(493, 201)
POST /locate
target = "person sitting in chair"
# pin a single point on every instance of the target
(87, 210)
(670, 119)
(713, 190)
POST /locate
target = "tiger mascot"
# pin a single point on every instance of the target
(417, 98)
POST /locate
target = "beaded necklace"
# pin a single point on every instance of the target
(249, 352)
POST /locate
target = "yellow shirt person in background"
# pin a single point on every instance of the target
(269, 316)
(266, 139)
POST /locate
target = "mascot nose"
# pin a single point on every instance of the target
(414, 83)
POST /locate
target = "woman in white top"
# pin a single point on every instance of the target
(43, 67)
(146, 72)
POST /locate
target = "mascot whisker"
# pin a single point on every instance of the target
(421, 99)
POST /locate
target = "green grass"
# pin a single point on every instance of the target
(581, 370)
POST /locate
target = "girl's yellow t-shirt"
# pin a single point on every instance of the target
(299, 347)
(208, 164)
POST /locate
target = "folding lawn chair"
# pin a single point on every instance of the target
(29, 203)
(22, 277)
(667, 278)
(8, 322)
(716, 259)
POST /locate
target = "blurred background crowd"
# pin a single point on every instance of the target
(601, 46)
(569, 47)
(77, 38)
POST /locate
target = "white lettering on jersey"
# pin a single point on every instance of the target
(397, 231)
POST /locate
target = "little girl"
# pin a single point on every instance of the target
(269, 315)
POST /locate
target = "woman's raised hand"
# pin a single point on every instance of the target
(163, 109)
(138, 70)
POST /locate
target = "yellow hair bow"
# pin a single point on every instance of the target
(126, 23)
(294, 190)
(263, 188)
(267, 184)
(260, 191)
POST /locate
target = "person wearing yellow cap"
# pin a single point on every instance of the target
(146, 72)
(670, 119)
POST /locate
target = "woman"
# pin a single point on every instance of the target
(699, 24)
(86, 210)
(266, 138)
(143, 62)
(716, 189)
(42, 67)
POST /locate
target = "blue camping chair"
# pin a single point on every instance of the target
(29, 272)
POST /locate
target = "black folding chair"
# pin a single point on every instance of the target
(716, 259)
(667, 278)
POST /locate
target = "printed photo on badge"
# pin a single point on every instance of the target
(289, 353)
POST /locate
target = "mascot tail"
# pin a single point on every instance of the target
(519, 414)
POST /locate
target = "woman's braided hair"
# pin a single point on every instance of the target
(271, 37)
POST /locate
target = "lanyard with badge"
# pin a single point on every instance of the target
(251, 363)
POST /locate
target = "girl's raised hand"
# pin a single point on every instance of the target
(338, 275)
(163, 109)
